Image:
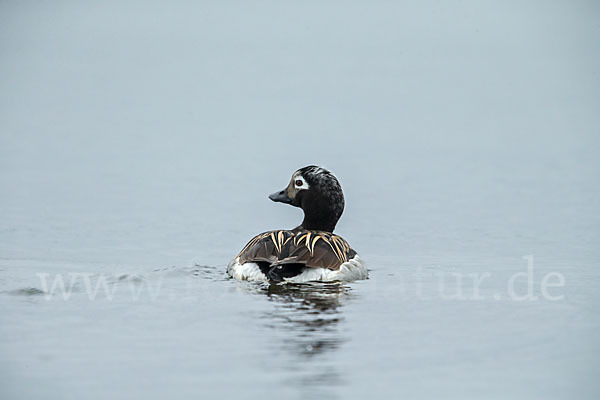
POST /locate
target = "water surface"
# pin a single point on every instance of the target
(139, 142)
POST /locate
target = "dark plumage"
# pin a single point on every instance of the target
(279, 253)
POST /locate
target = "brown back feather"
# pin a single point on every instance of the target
(316, 249)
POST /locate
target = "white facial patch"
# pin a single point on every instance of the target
(300, 182)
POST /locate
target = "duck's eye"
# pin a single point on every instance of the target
(299, 182)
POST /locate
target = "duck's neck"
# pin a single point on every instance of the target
(319, 217)
(319, 212)
(317, 224)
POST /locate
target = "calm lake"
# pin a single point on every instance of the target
(139, 142)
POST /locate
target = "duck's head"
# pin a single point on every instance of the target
(318, 193)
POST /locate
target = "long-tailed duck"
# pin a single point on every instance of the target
(310, 252)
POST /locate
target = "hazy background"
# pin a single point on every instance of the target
(137, 135)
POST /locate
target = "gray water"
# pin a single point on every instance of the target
(138, 143)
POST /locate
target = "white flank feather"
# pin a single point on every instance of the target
(351, 270)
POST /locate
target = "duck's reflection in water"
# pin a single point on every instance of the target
(306, 322)
(307, 316)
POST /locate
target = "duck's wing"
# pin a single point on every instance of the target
(265, 246)
(314, 249)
